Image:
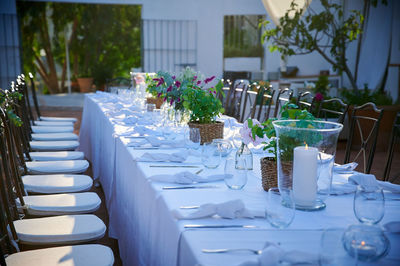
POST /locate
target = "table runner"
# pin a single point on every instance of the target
(141, 212)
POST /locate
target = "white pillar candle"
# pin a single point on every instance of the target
(305, 175)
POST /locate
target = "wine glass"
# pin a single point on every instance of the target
(192, 138)
(235, 173)
(210, 155)
(369, 204)
(280, 215)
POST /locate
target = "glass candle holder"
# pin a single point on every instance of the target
(306, 154)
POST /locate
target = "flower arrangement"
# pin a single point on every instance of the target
(247, 134)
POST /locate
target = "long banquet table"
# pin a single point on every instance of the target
(141, 212)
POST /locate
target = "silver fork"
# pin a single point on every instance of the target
(227, 250)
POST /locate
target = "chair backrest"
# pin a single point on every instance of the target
(240, 90)
(35, 101)
(394, 137)
(305, 100)
(366, 125)
(233, 101)
(284, 96)
(267, 101)
(332, 108)
(26, 96)
(250, 99)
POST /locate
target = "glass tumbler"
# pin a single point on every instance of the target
(280, 215)
(210, 155)
(369, 204)
(235, 174)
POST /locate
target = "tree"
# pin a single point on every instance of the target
(328, 33)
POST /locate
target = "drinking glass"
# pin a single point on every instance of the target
(369, 204)
(224, 146)
(332, 250)
(192, 138)
(279, 215)
(150, 107)
(235, 173)
(236, 139)
(210, 155)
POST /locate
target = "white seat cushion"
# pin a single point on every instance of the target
(80, 255)
(43, 129)
(57, 155)
(62, 119)
(65, 229)
(54, 123)
(65, 145)
(50, 184)
(61, 204)
(54, 136)
(57, 167)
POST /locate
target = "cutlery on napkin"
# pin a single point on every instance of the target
(273, 254)
(189, 187)
(186, 177)
(368, 181)
(178, 157)
(230, 209)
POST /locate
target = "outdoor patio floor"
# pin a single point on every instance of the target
(377, 169)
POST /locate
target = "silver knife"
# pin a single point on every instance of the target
(189, 187)
(175, 166)
(218, 226)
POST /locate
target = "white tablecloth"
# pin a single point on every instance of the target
(141, 212)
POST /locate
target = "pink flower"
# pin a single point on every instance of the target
(173, 77)
(177, 84)
(158, 95)
(169, 88)
(198, 82)
(207, 80)
(194, 78)
(160, 81)
(171, 102)
(319, 97)
(247, 136)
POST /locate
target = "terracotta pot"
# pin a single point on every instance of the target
(385, 127)
(85, 84)
(210, 131)
(157, 101)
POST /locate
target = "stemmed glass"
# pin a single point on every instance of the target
(235, 173)
(369, 205)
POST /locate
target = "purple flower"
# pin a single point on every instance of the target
(160, 81)
(207, 80)
(171, 102)
(177, 83)
(198, 82)
(194, 78)
(165, 99)
(173, 77)
(179, 99)
(169, 88)
(158, 95)
(319, 97)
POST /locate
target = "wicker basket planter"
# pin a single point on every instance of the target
(208, 132)
(157, 101)
(269, 172)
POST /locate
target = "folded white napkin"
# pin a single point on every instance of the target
(230, 210)
(163, 157)
(156, 142)
(186, 177)
(345, 167)
(272, 254)
(142, 130)
(393, 227)
(340, 189)
(367, 181)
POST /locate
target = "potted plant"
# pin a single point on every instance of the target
(85, 81)
(201, 101)
(266, 130)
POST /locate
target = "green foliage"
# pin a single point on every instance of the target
(289, 111)
(328, 33)
(104, 40)
(359, 97)
(203, 104)
(7, 99)
(322, 85)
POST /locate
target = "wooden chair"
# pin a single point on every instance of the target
(284, 96)
(367, 127)
(325, 111)
(394, 137)
(236, 96)
(305, 100)
(267, 101)
(250, 98)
